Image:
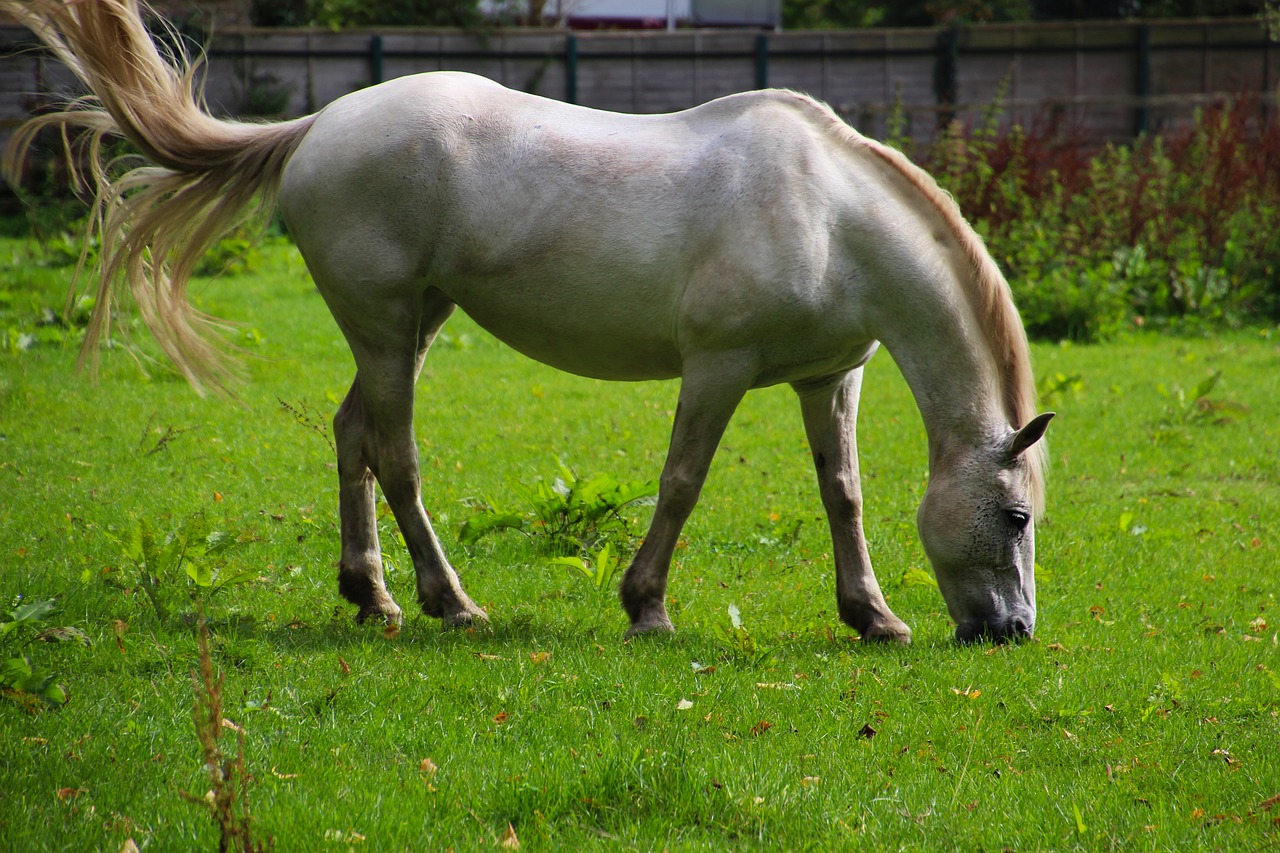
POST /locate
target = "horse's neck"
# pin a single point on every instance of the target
(946, 361)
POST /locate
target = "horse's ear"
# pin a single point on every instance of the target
(1017, 444)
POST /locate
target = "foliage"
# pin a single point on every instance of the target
(1182, 410)
(1173, 229)
(340, 14)
(189, 558)
(738, 640)
(228, 797)
(822, 14)
(568, 515)
(600, 568)
(24, 624)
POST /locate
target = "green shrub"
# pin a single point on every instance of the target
(1172, 229)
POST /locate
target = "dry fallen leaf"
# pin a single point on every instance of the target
(391, 632)
(500, 718)
(227, 724)
(509, 839)
(539, 657)
(684, 705)
(867, 732)
(344, 666)
(65, 794)
(129, 846)
(428, 767)
(761, 727)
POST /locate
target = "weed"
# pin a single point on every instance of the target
(228, 797)
(306, 415)
(1184, 410)
(738, 640)
(189, 557)
(1053, 387)
(19, 630)
(567, 515)
(154, 440)
(601, 568)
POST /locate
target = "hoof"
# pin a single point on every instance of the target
(389, 613)
(460, 614)
(653, 622)
(364, 588)
(891, 630)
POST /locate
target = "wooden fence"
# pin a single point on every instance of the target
(1110, 80)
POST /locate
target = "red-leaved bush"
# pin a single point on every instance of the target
(1178, 227)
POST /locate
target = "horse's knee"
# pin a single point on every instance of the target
(679, 491)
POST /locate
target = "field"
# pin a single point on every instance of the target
(1145, 714)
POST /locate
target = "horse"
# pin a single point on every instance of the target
(751, 241)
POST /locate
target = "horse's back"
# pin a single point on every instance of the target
(629, 235)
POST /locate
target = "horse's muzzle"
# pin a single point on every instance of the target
(1015, 628)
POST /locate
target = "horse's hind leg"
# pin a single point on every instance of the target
(830, 411)
(389, 342)
(708, 397)
(360, 578)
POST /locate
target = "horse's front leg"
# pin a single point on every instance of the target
(709, 393)
(830, 411)
(360, 578)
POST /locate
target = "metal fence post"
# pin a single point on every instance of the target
(762, 61)
(1141, 115)
(375, 58)
(571, 69)
(946, 74)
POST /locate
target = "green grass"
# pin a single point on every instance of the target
(1145, 714)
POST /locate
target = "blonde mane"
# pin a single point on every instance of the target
(986, 290)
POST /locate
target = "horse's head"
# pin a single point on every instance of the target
(977, 523)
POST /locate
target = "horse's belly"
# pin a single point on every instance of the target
(603, 341)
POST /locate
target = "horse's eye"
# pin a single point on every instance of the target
(1017, 518)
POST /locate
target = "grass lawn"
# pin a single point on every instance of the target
(1145, 713)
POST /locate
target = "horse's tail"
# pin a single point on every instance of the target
(154, 221)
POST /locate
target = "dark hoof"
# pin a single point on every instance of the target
(465, 616)
(453, 608)
(387, 615)
(651, 622)
(891, 630)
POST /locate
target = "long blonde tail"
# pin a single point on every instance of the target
(155, 221)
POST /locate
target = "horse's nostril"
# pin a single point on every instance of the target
(1020, 627)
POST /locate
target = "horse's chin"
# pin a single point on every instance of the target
(1015, 629)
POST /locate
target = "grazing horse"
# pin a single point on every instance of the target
(750, 241)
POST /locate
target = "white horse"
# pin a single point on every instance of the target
(750, 241)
